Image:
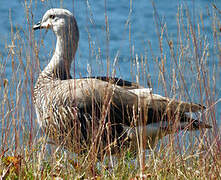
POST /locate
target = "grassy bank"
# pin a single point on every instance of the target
(184, 71)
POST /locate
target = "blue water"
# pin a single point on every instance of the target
(132, 28)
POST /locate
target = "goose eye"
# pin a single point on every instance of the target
(52, 16)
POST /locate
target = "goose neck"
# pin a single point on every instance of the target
(60, 64)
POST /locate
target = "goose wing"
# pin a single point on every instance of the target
(84, 92)
(118, 81)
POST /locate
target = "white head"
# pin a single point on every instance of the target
(64, 25)
(57, 19)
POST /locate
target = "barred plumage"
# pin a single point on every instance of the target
(76, 112)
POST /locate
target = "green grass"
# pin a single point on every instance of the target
(25, 153)
(158, 165)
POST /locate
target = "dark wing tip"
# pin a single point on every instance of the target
(201, 125)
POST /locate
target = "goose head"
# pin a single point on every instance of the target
(57, 19)
(62, 22)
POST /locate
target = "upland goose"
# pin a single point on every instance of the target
(106, 112)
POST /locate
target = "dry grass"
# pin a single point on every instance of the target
(184, 73)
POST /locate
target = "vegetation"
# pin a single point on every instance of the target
(184, 62)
